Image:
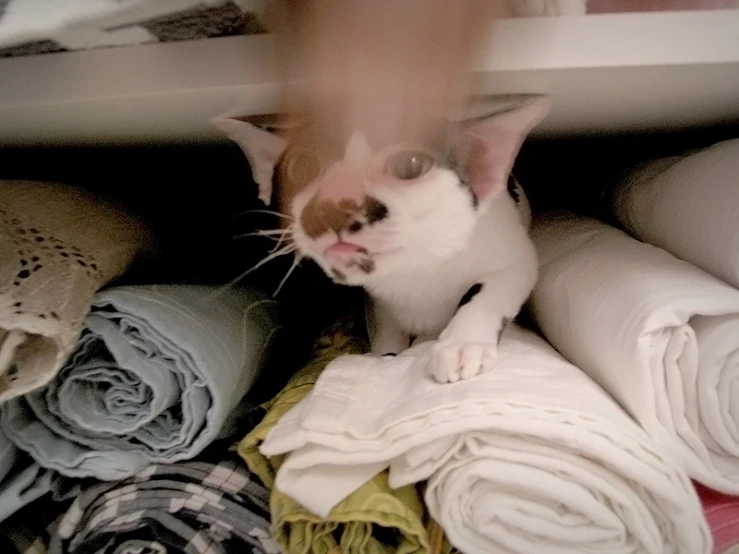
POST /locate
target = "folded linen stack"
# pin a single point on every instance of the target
(374, 519)
(155, 376)
(659, 334)
(687, 205)
(531, 457)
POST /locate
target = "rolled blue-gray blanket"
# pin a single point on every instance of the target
(153, 379)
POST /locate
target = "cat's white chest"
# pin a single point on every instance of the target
(423, 306)
(422, 301)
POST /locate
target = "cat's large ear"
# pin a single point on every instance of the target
(262, 140)
(487, 147)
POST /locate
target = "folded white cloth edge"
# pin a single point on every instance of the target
(314, 465)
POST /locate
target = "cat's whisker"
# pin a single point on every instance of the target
(281, 252)
(287, 249)
(276, 235)
(296, 262)
(263, 211)
(272, 236)
(286, 230)
(288, 233)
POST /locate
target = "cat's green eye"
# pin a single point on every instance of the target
(302, 167)
(409, 165)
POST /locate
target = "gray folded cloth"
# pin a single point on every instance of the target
(153, 379)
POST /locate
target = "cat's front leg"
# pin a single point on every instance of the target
(385, 333)
(469, 344)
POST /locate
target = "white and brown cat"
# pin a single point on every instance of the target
(435, 231)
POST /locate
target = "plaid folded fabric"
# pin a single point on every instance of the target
(208, 506)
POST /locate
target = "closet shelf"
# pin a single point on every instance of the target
(606, 73)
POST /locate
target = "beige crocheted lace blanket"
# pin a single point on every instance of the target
(58, 246)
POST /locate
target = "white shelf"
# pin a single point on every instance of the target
(605, 73)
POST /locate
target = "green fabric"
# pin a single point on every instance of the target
(375, 519)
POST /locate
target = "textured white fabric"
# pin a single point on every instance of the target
(688, 205)
(531, 457)
(659, 334)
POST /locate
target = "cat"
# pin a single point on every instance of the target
(435, 231)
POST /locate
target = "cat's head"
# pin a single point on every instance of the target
(364, 211)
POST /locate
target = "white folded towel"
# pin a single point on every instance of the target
(688, 205)
(531, 457)
(659, 334)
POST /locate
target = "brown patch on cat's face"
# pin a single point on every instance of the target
(321, 216)
(303, 161)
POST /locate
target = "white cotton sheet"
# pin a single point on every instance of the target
(657, 333)
(531, 457)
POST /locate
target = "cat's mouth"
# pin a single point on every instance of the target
(347, 257)
(342, 248)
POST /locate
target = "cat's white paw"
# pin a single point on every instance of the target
(453, 361)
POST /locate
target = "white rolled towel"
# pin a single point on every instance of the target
(659, 334)
(687, 205)
(532, 457)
